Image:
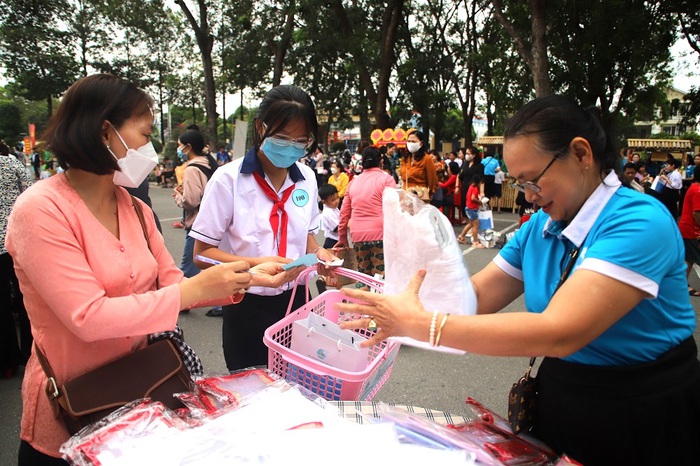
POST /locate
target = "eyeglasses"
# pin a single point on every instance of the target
(532, 185)
(285, 141)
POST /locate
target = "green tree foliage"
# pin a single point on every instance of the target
(90, 33)
(322, 67)
(9, 122)
(615, 52)
(36, 53)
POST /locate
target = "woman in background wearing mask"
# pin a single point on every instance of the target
(82, 261)
(471, 166)
(418, 172)
(339, 179)
(199, 168)
(260, 208)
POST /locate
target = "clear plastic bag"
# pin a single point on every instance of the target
(417, 236)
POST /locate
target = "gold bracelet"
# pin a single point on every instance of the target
(439, 334)
(433, 322)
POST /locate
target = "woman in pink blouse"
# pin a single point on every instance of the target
(83, 264)
(362, 212)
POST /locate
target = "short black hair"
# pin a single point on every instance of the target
(194, 139)
(631, 165)
(673, 161)
(327, 190)
(4, 150)
(74, 132)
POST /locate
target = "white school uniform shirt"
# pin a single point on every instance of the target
(234, 215)
(499, 177)
(675, 180)
(330, 219)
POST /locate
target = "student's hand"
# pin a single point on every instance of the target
(277, 259)
(340, 244)
(271, 274)
(325, 255)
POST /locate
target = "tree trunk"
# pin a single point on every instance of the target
(160, 105)
(540, 63)
(205, 41)
(391, 18)
(279, 49)
(390, 25)
(49, 107)
(534, 56)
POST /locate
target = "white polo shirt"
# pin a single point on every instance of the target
(234, 215)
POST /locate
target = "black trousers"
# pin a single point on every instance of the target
(645, 414)
(244, 325)
(28, 456)
(12, 351)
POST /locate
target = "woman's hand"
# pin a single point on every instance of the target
(217, 282)
(270, 274)
(394, 315)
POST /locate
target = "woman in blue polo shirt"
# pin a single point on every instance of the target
(620, 379)
(263, 208)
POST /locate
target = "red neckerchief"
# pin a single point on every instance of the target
(278, 205)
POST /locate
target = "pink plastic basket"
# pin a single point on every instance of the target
(326, 381)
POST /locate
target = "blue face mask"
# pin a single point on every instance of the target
(181, 155)
(281, 155)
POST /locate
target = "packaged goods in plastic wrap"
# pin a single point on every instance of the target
(417, 236)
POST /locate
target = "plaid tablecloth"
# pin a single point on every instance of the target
(353, 410)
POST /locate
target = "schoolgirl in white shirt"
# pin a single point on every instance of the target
(263, 208)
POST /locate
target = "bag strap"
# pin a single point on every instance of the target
(142, 221)
(572, 260)
(52, 386)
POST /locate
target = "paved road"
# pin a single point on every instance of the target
(423, 378)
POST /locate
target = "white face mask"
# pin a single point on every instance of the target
(136, 165)
(334, 170)
(413, 147)
(470, 157)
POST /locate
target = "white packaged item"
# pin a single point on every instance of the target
(417, 236)
(322, 340)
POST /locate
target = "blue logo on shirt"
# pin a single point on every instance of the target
(300, 197)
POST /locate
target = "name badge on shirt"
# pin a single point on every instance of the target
(300, 197)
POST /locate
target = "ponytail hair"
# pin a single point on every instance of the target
(556, 120)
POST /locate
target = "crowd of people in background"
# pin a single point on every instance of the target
(118, 283)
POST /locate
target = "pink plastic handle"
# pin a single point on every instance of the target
(372, 282)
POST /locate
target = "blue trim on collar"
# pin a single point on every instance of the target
(251, 164)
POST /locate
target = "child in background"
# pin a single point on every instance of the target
(330, 217)
(498, 188)
(472, 211)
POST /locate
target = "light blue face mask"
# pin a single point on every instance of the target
(183, 157)
(281, 153)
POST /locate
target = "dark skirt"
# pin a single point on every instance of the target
(647, 414)
(244, 325)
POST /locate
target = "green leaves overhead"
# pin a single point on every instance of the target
(376, 59)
